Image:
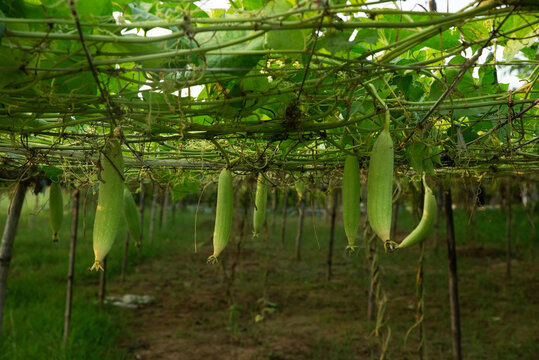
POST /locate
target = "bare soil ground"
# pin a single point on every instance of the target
(197, 315)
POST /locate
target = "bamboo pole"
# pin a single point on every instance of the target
(333, 217)
(285, 208)
(439, 209)
(453, 278)
(394, 220)
(71, 266)
(102, 284)
(299, 234)
(126, 254)
(141, 215)
(6, 247)
(508, 217)
(153, 211)
(166, 205)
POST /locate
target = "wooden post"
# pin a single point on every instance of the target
(508, 215)
(439, 209)
(373, 275)
(453, 279)
(71, 266)
(394, 220)
(6, 247)
(102, 283)
(141, 214)
(332, 232)
(153, 211)
(420, 302)
(35, 212)
(299, 235)
(162, 207)
(166, 205)
(274, 202)
(285, 208)
(126, 253)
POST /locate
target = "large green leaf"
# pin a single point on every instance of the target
(12, 8)
(449, 39)
(466, 85)
(233, 63)
(286, 40)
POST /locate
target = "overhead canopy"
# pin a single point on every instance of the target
(267, 85)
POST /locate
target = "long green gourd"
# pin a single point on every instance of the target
(109, 201)
(223, 214)
(380, 183)
(351, 190)
(261, 199)
(56, 209)
(428, 219)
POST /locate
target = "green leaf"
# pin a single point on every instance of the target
(183, 186)
(255, 84)
(488, 80)
(466, 85)
(513, 47)
(115, 50)
(12, 8)
(52, 173)
(450, 38)
(253, 4)
(2, 26)
(242, 62)
(416, 153)
(91, 9)
(335, 41)
(286, 40)
(139, 14)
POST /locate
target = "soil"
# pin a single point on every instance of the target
(294, 313)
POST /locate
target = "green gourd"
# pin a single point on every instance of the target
(110, 204)
(56, 209)
(223, 214)
(428, 219)
(261, 199)
(380, 186)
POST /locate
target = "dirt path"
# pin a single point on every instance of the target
(190, 318)
(307, 318)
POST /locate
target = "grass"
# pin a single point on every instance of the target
(311, 319)
(34, 311)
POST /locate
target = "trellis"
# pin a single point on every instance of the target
(284, 85)
(287, 86)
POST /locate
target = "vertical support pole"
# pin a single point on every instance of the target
(299, 235)
(35, 212)
(141, 214)
(439, 209)
(420, 303)
(126, 254)
(153, 211)
(370, 242)
(6, 247)
(71, 266)
(102, 283)
(274, 203)
(166, 205)
(283, 221)
(394, 220)
(508, 216)
(453, 279)
(335, 196)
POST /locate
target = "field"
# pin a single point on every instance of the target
(274, 307)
